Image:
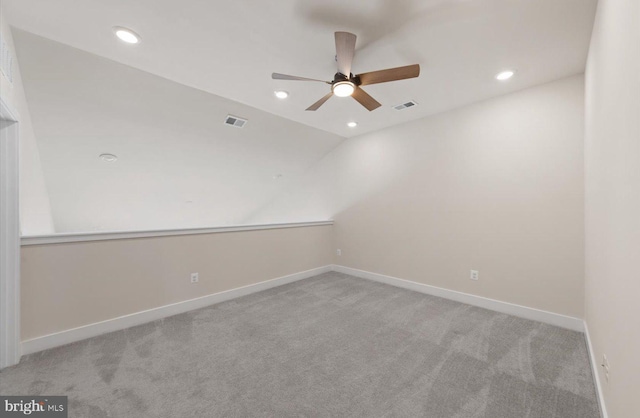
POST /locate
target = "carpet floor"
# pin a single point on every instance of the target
(329, 346)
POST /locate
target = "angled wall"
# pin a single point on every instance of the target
(178, 166)
(35, 211)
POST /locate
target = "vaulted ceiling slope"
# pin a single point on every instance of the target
(231, 48)
(178, 165)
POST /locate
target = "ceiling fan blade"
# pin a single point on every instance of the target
(391, 74)
(320, 102)
(365, 100)
(278, 76)
(345, 48)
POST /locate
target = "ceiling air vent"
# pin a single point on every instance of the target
(235, 121)
(406, 105)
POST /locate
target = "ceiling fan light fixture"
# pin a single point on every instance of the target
(346, 84)
(343, 88)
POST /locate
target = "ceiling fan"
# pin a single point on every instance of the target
(346, 84)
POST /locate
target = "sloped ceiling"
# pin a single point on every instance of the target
(159, 105)
(178, 165)
(230, 48)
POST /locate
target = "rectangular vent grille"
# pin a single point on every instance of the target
(235, 121)
(406, 105)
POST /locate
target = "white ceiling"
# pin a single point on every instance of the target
(178, 165)
(230, 48)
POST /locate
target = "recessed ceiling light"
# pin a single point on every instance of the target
(504, 75)
(343, 88)
(127, 35)
(352, 124)
(281, 94)
(108, 157)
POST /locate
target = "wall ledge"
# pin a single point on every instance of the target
(117, 235)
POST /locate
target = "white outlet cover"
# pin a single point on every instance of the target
(338, 252)
(194, 277)
(475, 275)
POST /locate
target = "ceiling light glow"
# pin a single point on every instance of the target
(343, 88)
(127, 35)
(504, 75)
(352, 124)
(281, 94)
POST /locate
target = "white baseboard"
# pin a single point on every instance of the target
(559, 320)
(595, 369)
(92, 330)
(138, 318)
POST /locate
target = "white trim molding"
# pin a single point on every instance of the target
(559, 320)
(143, 317)
(9, 238)
(138, 318)
(102, 236)
(595, 371)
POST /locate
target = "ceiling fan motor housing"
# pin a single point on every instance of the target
(341, 77)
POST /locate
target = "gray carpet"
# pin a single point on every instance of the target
(329, 346)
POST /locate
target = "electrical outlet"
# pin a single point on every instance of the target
(605, 366)
(338, 252)
(475, 275)
(194, 278)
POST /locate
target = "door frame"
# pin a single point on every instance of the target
(10, 348)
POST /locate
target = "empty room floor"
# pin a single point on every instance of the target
(333, 345)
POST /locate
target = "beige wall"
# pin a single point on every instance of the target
(612, 151)
(35, 211)
(496, 187)
(69, 285)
